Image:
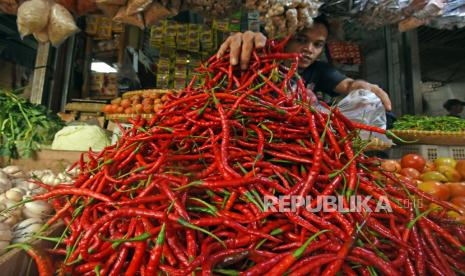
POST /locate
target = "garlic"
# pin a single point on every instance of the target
(6, 235)
(48, 179)
(25, 229)
(3, 174)
(11, 220)
(15, 194)
(10, 170)
(38, 207)
(4, 226)
(28, 214)
(56, 181)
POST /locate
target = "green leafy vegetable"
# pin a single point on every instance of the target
(24, 126)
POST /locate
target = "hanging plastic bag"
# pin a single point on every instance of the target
(42, 35)
(85, 6)
(61, 25)
(365, 107)
(156, 12)
(136, 6)
(33, 16)
(123, 17)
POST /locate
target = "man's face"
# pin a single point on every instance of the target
(310, 43)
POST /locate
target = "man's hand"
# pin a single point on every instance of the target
(382, 95)
(241, 46)
(348, 85)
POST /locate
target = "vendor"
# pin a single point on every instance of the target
(454, 107)
(310, 42)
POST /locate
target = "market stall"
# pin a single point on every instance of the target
(178, 162)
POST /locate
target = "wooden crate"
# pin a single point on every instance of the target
(16, 261)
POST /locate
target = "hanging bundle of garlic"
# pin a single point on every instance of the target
(283, 17)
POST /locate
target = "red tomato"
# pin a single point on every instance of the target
(460, 167)
(413, 161)
(125, 103)
(458, 201)
(429, 167)
(436, 189)
(391, 166)
(129, 110)
(138, 108)
(120, 110)
(456, 188)
(410, 173)
(108, 108)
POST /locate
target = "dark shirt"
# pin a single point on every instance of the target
(322, 77)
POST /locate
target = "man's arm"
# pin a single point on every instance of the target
(348, 85)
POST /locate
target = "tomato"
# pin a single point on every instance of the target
(120, 110)
(445, 161)
(450, 173)
(410, 173)
(125, 103)
(460, 167)
(129, 110)
(458, 201)
(433, 176)
(429, 167)
(148, 109)
(436, 189)
(114, 108)
(391, 166)
(138, 108)
(413, 161)
(116, 101)
(147, 101)
(456, 188)
(108, 108)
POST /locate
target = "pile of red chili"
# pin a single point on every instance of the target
(184, 192)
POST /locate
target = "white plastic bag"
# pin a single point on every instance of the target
(33, 16)
(61, 25)
(365, 107)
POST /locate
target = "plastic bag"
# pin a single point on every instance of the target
(123, 17)
(42, 35)
(33, 16)
(85, 6)
(108, 9)
(111, 2)
(136, 6)
(365, 107)
(156, 12)
(61, 25)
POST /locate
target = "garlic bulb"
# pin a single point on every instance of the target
(10, 170)
(25, 229)
(38, 207)
(15, 194)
